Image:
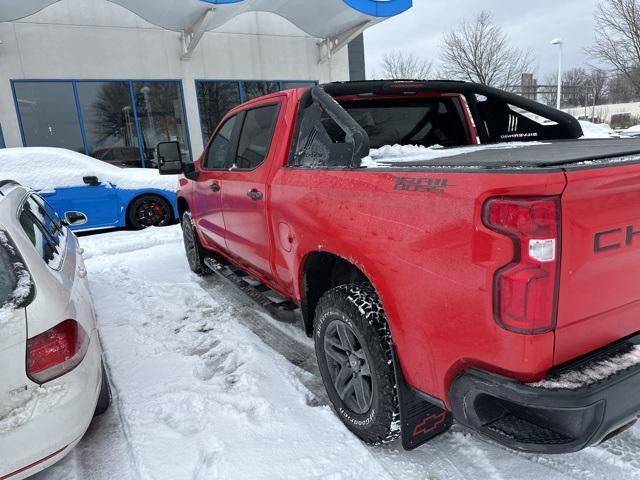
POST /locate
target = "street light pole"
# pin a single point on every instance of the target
(558, 41)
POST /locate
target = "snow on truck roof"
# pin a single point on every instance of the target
(44, 168)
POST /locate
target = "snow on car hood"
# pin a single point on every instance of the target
(390, 155)
(43, 168)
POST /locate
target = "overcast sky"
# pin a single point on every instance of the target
(529, 24)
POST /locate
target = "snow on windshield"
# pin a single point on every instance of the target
(392, 155)
(43, 168)
(15, 281)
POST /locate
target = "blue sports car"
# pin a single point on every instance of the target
(107, 195)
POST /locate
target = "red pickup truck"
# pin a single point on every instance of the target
(488, 282)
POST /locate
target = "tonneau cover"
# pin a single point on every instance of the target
(544, 154)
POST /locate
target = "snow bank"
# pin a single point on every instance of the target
(592, 373)
(597, 130)
(391, 155)
(47, 168)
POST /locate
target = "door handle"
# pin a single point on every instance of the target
(254, 194)
(215, 187)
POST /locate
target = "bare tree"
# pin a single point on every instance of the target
(400, 65)
(480, 51)
(617, 38)
(579, 87)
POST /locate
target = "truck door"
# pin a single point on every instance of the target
(245, 189)
(207, 210)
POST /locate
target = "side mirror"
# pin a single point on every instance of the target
(75, 219)
(169, 158)
(91, 180)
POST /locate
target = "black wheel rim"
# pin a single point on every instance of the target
(348, 366)
(151, 213)
(189, 242)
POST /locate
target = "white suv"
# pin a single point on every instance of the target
(52, 380)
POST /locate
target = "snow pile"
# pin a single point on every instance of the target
(592, 373)
(597, 130)
(200, 394)
(47, 168)
(391, 155)
(631, 131)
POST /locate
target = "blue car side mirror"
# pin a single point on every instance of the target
(91, 180)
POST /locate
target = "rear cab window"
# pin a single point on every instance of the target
(429, 121)
(426, 122)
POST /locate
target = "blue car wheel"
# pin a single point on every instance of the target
(149, 211)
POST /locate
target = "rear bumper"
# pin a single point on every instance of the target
(53, 418)
(539, 419)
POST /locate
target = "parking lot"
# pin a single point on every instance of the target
(208, 386)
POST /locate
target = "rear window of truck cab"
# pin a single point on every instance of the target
(426, 122)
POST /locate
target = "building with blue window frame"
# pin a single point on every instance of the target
(112, 78)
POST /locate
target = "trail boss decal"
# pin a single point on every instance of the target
(424, 185)
(614, 238)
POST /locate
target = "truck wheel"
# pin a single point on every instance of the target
(353, 348)
(104, 398)
(195, 252)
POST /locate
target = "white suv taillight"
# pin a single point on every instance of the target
(56, 351)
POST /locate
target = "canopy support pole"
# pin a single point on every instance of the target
(331, 45)
(192, 36)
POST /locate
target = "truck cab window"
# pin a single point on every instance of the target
(424, 122)
(219, 147)
(255, 138)
(322, 143)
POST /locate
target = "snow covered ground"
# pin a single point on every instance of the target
(206, 386)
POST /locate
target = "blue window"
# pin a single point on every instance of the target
(116, 121)
(217, 97)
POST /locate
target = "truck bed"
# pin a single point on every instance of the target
(533, 155)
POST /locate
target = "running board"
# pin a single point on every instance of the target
(274, 303)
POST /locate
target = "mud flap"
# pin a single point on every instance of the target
(420, 419)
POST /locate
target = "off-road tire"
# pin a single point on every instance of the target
(194, 250)
(104, 398)
(359, 307)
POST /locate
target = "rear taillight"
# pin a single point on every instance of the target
(56, 351)
(525, 290)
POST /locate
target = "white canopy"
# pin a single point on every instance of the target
(319, 18)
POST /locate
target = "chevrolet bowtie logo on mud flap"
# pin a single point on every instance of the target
(429, 424)
(424, 185)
